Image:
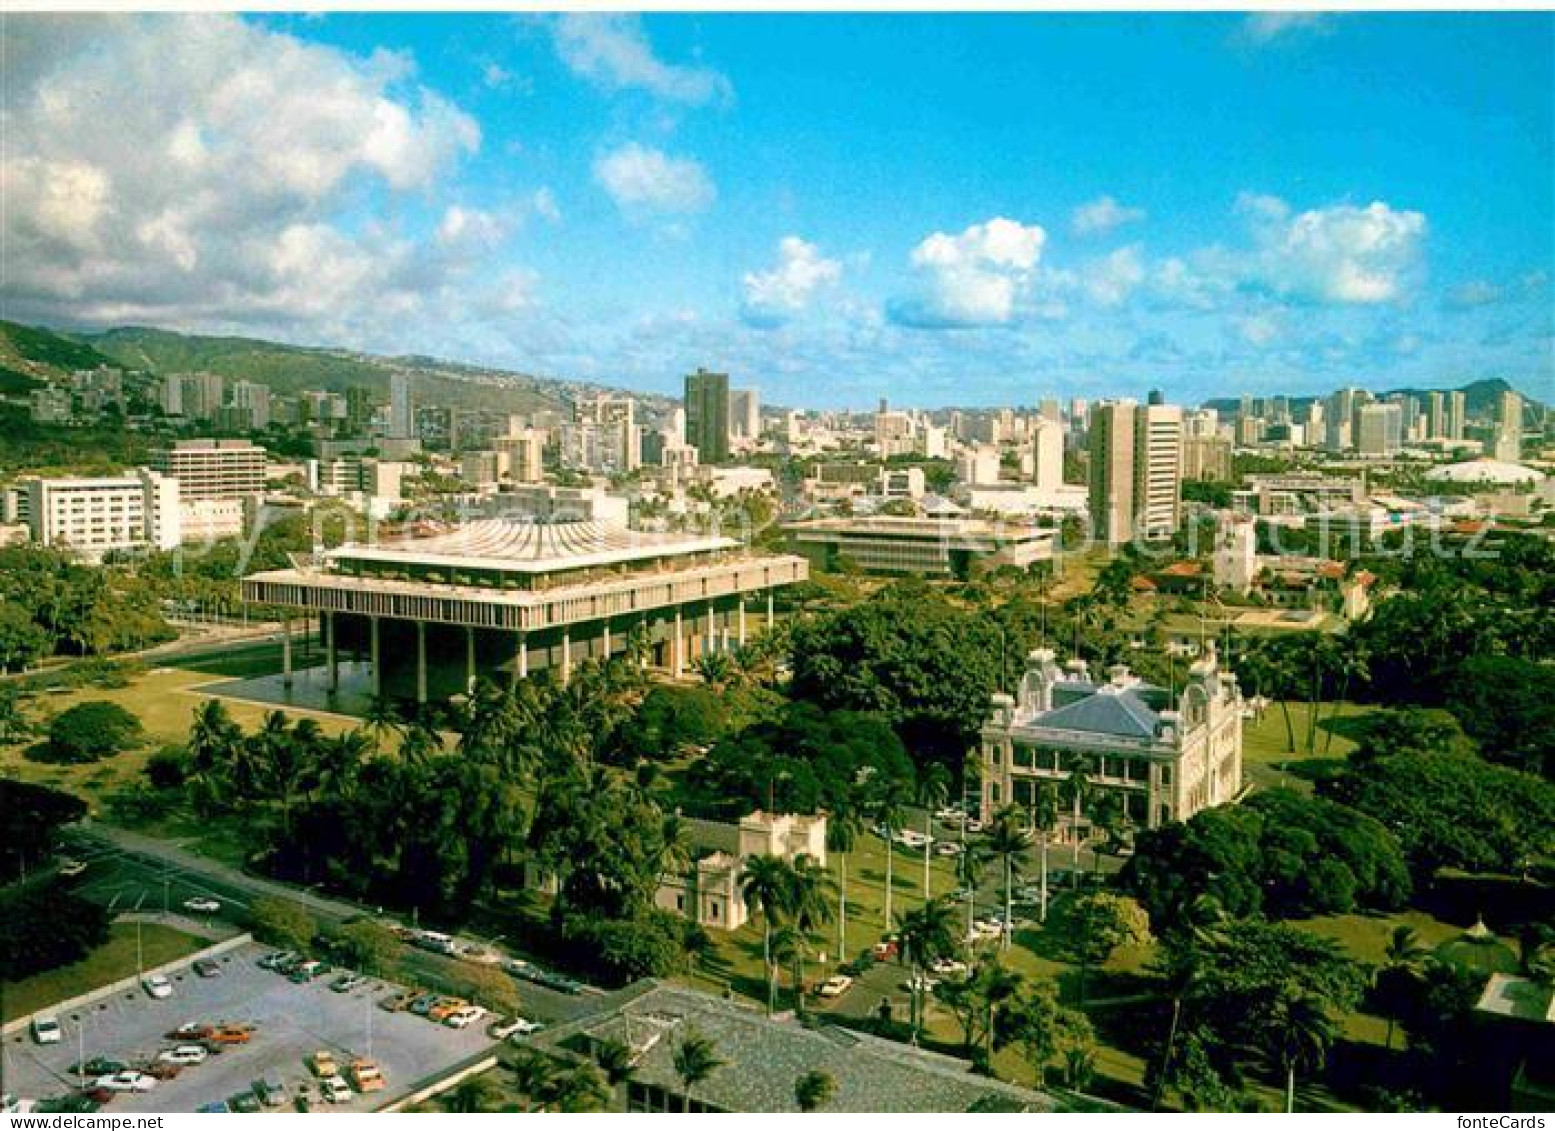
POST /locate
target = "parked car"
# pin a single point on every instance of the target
(202, 904)
(277, 959)
(435, 941)
(46, 1030)
(307, 971)
(72, 867)
(464, 1018)
(835, 986)
(323, 1064)
(95, 1067)
(126, 1081)
(245, 1103)
(157, 986)
(507, 1027)
(215, 1107)
(365, 1076)
(947, 848)
(12, 1104)
(207, 968)
(184, 1054)
(400, 1002)
(230, 1035)
(948, 968)
(271, 1090)
(189, 1031)
(159, 1070)
(424, 1003)
(446, 1008)
(335, 1090)
(884, 950)
(347, 982)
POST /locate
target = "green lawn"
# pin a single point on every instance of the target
(110, 962)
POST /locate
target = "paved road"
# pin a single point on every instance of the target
(129, 871)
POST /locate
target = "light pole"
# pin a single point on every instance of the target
(81, 1050)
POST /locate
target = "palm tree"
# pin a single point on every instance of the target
(767, 887)
(933, 790)
(969, 873)
(924, 934)
(1299, 1033)
(1044, 818)
(814, 1090)
(1404, 957)
(213, 746)
(1008, 837)
(695, 1060)
(995, 987)
(475, 1094)
(889, 818)
(842, 831)
(1077, 787)
(581, 1090)
(809, 908)
(616, 1061)
(381, 718)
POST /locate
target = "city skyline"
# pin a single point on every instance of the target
(1264, 203)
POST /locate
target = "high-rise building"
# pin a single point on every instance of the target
(1136, 470)
(402, 418)
(213, 469)
(745, 413)
(1379, 429)
(96, 516)
(1436, 416)
(253, 401)
(1047, 449)
(1457, 414)
(523, 450)
(201, 395)
(1509, 427)
(707, 415)
(603, 436)
(1340, 419)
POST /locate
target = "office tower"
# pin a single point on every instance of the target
(1051, 411)
(1340, 420)
(604, 436)
(521, 454)
(1379, 429)
(1509, 427)
(212, 469)
(253, 400)
(707, 415)
(173, 395)
(401, 415)
(1457, 414)
(1436, 416)
(745, 413)
(1047, 447)
(201, 394)
(1136, 470)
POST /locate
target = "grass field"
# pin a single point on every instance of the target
(110, 962)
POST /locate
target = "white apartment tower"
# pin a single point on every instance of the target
(402, 417)
(1136, 471)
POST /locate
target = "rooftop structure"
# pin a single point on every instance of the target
(763, 1057)
(439, 605)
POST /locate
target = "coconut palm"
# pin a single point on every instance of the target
(1298, 1034)
(1007, 838)
(924, 934)
(615, 1060)
(933, 790)
(809, 909)
(889, 818)
(814, 1090)
(1044, 818)
(969, 873)
(695, 1060)
(1404, 957)
(842, 831)
(382, 718)
(767, 888)
(1077, 788)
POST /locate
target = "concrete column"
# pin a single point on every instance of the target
(677, 648)
(421, 661)
(523, 655)
(286, 652)
(742, 622)
(770, 617)
(375, 656)
(712, 631)
(566, 654)
(469, 659)
(607, 640)
(334, 651)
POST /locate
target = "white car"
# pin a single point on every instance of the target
(514, 1027)
(126, 1081)
(947, 848)
(46, 1030)
(202, 904)
(463, 1018)
(12, 1104)
(335, 1090)
(948, 967)
(835, 986)
(157, 986)
(183, 1055)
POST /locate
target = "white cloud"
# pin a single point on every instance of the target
(544, 203)
(640, 179)
(612, 50)
(200, 170)
(777, 296)
(1474, 293)
(1111, 279)
(1102, 215)
(972, 279)
(1265, 27)
(1342, 255)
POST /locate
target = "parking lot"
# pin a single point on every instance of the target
(291, 1023)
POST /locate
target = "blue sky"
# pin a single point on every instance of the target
(940, 209)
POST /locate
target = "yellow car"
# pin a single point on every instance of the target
(323, 1064)
(365, 1076)
(446, 1008)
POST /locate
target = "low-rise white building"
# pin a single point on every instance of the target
(95, 516)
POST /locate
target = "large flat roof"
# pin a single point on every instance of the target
(518, 545)
(920, 528)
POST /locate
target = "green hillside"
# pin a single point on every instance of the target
(31, 353)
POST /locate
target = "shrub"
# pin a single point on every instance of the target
(91, 731)
(45, 927)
